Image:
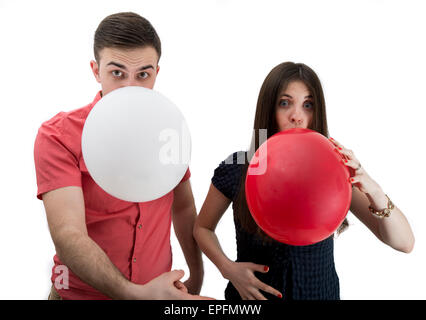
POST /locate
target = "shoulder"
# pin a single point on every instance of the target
(233, 163)
(64, 128)
(236, 158)
(65, 121)
(227, 175)
(57, 150)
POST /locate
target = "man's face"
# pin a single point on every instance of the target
(119, 68)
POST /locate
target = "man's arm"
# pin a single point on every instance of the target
(66, 218)
(184, 215)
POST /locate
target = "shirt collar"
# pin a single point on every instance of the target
(97, 97)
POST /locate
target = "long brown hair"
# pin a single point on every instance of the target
(276, 81)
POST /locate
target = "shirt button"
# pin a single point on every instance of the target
(134, 259)
(140, 226)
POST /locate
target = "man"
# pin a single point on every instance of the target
(106, 247)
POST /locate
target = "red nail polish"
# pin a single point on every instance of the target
(352, 180)
(266, 268)
(339, 148)
(346, 160)
(279, 295)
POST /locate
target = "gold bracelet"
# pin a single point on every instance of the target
(385, 212)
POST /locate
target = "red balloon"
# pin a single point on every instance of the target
(304, 194)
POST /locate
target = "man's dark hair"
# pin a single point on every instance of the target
(125, 30)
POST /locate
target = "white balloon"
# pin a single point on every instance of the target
(136, 144)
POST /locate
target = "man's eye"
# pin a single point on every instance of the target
(143, 75)
(117, 73)
(284, 103)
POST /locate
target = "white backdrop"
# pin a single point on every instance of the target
(370, 56)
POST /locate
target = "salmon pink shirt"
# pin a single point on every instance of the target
(135, 236)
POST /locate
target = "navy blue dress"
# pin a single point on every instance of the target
(299, 272)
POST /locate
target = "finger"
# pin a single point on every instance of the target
(337, 143)
(343, 151)
(351, 163)
(340, 149)
(187, 296)
(257, 295)
(264, 287)
(196, 297)
(176, 275)
(246, 295)
(258, 267)
(180, 286)
(349, 154)
(250, 297)
(355, 179)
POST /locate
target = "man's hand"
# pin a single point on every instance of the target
(165, 287)
(178, 284)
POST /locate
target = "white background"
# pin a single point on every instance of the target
(370, 56)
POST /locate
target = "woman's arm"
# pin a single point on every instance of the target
(394, 230)
(241, 274)
(211, 212)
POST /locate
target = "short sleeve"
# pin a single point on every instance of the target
(55, 164)
(227, 175)
(186, 176)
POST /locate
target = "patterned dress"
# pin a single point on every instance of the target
(299, 272)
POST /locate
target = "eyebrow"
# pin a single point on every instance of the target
(119, 65)
(287, 95)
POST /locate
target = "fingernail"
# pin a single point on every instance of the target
(346, 160)
(339, 148)
(279, 295)
(266, 268)
(351, 179)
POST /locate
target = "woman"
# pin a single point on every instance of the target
(291, 97)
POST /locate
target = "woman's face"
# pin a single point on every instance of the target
(295, 107)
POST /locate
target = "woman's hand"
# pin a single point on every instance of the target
(395, 230)
(359, 177)
(241, 274)
(193, 283)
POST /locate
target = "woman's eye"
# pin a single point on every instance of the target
(116, 73)
(284, 103)
(308, 105)
(143, 75)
